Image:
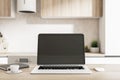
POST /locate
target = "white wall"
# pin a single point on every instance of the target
(23, 37)
(89, 27)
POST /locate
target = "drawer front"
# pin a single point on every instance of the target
(16, 59)
(103, 60)
(3, 60)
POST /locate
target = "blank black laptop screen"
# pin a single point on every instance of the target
(60, 49)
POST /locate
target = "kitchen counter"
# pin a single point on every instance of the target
(34, 54)
(112, 72)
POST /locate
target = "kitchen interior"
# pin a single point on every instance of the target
(20, 25)
(22, 20)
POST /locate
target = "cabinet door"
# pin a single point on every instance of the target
(97, 8)
(81, 8)
(3, 60)
(70, 8)
(5, 8)
(55, 8)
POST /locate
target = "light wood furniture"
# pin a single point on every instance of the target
(112, 72)
(5, 8)
(71, 8)
(97, 8)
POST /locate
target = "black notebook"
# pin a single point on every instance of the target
(22, 65)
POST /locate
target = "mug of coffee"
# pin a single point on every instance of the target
(13, 68)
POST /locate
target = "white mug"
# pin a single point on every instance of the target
(13, 68)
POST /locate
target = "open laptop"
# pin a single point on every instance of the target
(60, 53)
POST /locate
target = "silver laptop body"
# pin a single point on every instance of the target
(60, 53)
(86, 70)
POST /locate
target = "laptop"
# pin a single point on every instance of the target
(61, 53)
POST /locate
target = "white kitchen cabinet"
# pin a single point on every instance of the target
(3, 60)
(71, 8)
(112, 27)
(102, 60)
(16, 59)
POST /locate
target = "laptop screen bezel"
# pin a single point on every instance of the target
(39, 37)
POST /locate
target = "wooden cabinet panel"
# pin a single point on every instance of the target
(5, 8)
(71, 8)
(97, 8)
(81, 8)
(85, 8)
(55, 8)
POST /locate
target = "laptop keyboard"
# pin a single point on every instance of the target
(61, 67)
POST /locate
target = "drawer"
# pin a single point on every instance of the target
(3, 60)
(103, 60)
(16, 59)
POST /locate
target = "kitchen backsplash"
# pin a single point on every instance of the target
(89, 27)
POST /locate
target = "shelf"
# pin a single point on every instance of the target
(94, 55)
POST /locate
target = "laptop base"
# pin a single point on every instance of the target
(86, 70)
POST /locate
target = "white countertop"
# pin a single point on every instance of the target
(35, 54)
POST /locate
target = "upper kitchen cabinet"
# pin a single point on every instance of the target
(6, 8)
(71, 8)
(97, 8)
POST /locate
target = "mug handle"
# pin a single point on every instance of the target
(8, 69)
